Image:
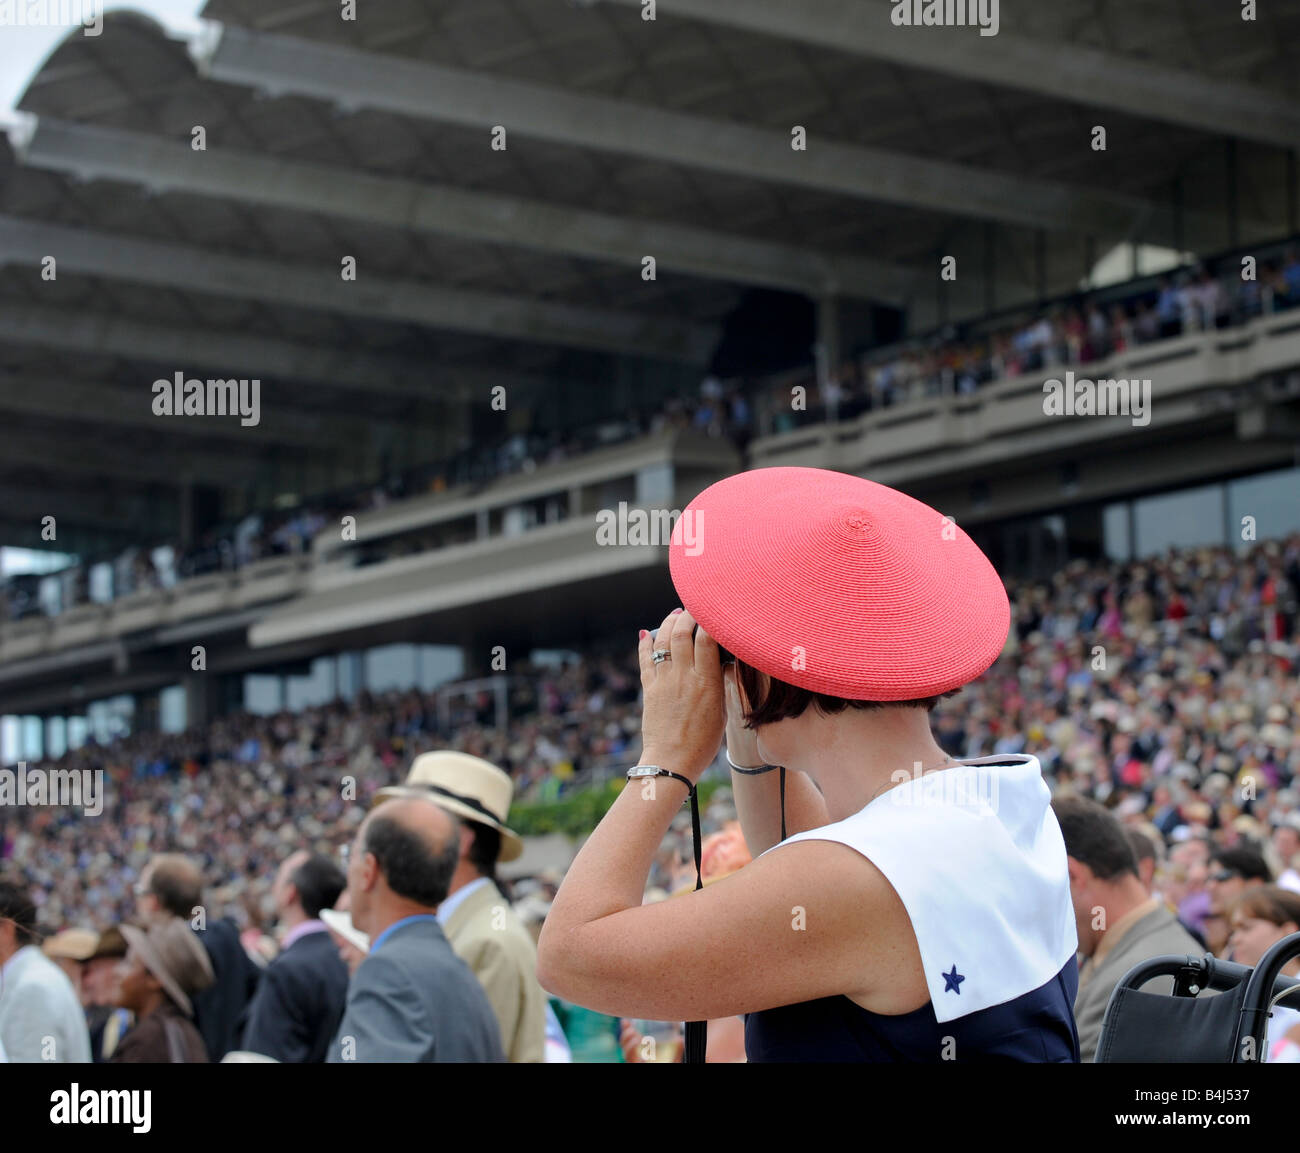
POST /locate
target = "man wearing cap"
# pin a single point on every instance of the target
(70, 950)
(164, 967)
(478, 920)
(40, 1015)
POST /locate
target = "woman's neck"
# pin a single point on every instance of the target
(858, 755)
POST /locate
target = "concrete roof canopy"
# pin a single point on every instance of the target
(326, 138)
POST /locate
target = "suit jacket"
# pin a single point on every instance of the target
(490, 938)
(38, 1001)
(148, 1042)
(1157, 933)
(413, 999)
(299, 1002)
(219, 1009)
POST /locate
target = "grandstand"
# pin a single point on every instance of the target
(503, 267)
(170, 256)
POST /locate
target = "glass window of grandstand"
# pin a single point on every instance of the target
(56, 736)
(78, 732)
(1269, 499)
(171, 709)
(263, 694)
(318, 686)
(401, 667)
(1183, 519)
(1116, 521)
(387, 668)
(22, 739)
(111, 719)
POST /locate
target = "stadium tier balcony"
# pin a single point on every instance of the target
(1195, 381)
(449, 560)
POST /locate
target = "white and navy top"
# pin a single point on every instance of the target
(976, 856)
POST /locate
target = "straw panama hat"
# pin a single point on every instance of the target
(840, 585)
(72, 945)
(173, 954)
(468, 787)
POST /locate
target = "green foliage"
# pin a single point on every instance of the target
(578, 813)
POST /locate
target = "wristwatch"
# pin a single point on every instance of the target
(638, 772)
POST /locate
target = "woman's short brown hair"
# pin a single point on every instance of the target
(1270, 903)
(783, 700)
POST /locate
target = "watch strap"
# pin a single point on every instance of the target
(697, 1032)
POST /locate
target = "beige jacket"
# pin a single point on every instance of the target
(489, 937)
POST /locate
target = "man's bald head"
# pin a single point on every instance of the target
(415, 845)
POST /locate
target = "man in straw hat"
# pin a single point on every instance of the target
(164, 967)
(479, 922)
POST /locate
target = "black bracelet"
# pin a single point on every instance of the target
(748, 772)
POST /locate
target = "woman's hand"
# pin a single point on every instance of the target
(742, 743)
(683, 720)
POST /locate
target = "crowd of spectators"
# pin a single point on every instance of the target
(1169, 689)
(1071, 333)
(231, 794)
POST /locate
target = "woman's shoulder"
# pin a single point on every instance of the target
(979, 866)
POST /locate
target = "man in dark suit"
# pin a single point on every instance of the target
(172, 886)
(299, 1003)
(412, 998)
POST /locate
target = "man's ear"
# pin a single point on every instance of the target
(369, 871)
(1080, 874)
(466, 840)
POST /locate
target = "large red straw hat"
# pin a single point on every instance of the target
(838, 585)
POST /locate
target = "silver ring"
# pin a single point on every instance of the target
(661, 655)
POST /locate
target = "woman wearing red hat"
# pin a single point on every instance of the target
(903, 906)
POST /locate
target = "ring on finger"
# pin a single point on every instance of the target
(661, 655)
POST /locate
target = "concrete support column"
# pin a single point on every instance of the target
(201, 699)
(827, 348)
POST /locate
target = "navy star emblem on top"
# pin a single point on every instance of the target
(952, 981)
